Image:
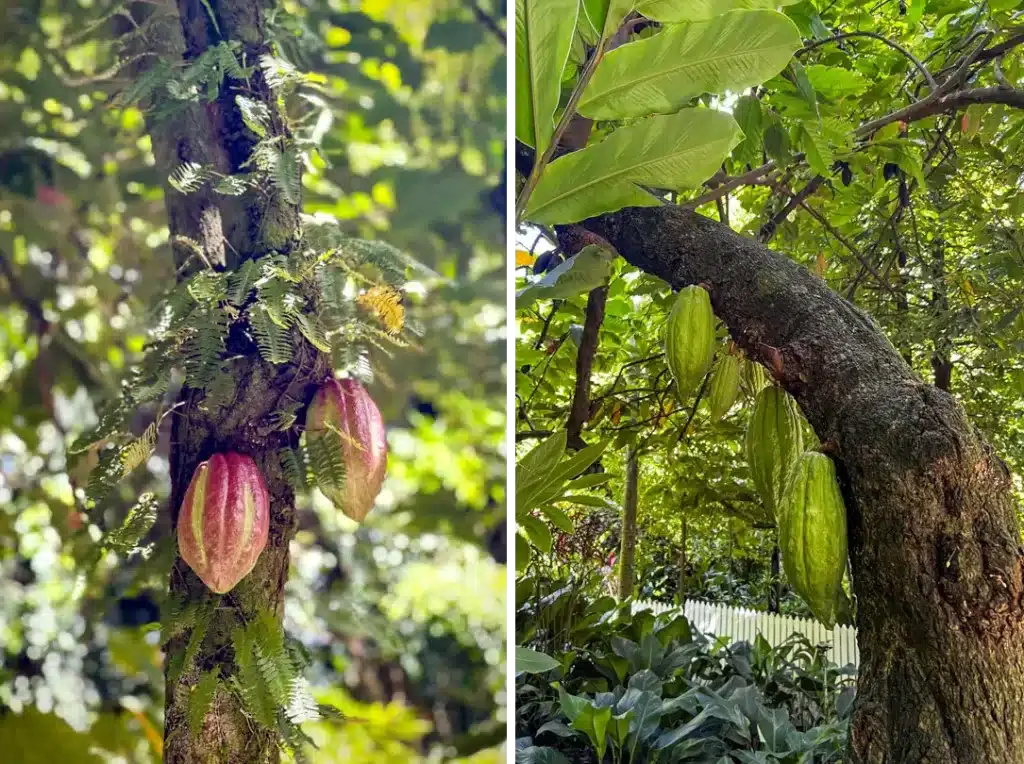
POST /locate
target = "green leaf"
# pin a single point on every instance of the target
(670, 11)
(803, 85)
(533, 662)
(523, 553)
(544, 31)
(660, 74)
(537, 532)
(533, 471)
(201, 698)
(816, 149)
(671, 152)
(558, 518)
(593, 722)
(587, 270)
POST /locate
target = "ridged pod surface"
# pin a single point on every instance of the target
(755, 378)
(345, 407)
(224, 520)
(690, 339)
(725, 386)
(812, 535)
(774, 443)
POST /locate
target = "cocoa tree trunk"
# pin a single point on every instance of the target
(228, 230)
(775, 588)
(627, 551)
(579, 413)
(934, 538)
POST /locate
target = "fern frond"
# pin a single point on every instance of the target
(385, 303)
(112, 420)
(325, 461)
(274, 342)
(189, 177)
(203, 347)
(126, 537)
(314, 331)
(242, 280)
(295, 740)
(104, 476)
(195, 639)
(266, 155)
(232, 185)
(302, 706)
(208, 287)
(392, 262)
(321, 232)
(255, 115)
(279, 298)
(278, 72)
(265, 674)
(138, 451)
(288, 175)
(293, 464)
(155, 78)
(201, 698)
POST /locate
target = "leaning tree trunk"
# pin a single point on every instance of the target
(934, 537)
(627, 549)
(228, 230)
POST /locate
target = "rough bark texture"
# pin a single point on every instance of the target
(627, 550)
(934, 538)
(229, 230)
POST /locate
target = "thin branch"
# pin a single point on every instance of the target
(875, 36)
(488, 21)
(937, 104)
(768, 229)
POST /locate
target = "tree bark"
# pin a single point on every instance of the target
(228, 230)
(934, 536)
(627, 551)
(775, 588)
(942, 364)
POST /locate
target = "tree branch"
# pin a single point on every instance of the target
(580, 411)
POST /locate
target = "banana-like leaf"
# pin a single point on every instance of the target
(661, 74)
(587, 270)
(672, 152)
(544, 32)
(671, 11)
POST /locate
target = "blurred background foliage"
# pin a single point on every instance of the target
(404, 616)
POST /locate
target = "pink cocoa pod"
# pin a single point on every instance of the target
(224, 520)
(344, 407)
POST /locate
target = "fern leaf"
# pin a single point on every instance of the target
(188, 177)
(325, 462)
(195, 639)
(242, 281)
(278, 72)
(302, 706)
(208, 287)
(288, 176)
(203, 348)
(313, 330)
(385, 303)
(136, 525)
(112, 420)
(274, 342)
(295, 740)
(201, 699)
(293, 464)
(138, 451)
(232, 185)
(104, 476)
(255, 115)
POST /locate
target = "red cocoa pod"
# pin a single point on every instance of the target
(224, 520)
(344, 407)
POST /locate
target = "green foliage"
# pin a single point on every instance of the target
(201, 698)
(639, 686)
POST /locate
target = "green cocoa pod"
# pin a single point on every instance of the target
(725, 386)
(690, 339)
(774, 443)
(812, 535)
(755, 378)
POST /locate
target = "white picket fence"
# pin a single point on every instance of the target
(741, 624)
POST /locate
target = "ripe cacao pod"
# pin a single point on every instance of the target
(224, 520)
(812, 535)
(690, 339)
(725, 386)
(774, 443)
(347, 445)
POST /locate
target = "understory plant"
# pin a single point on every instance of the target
(636, 687)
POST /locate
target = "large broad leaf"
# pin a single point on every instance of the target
(539, 755)
(668, 11)
(535, 470)
(672, 152)
(661, 74)
(533, 662)
(544, 30)
(600, 18)
(587, 270)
